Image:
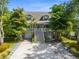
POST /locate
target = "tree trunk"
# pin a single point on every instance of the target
(1, 25)
(1, 33)
(3, 4)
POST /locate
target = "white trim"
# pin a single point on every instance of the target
(42, 22)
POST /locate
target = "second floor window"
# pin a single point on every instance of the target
(44, 18)
(29, 17)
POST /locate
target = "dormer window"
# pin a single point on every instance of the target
(29, 17)
(44, 18)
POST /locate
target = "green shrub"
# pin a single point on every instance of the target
(77, 47)
(68, 42)
(74, 51)
(73, 44)
(9, 39)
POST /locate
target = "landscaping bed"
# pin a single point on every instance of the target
(72, 45)
(5, 50)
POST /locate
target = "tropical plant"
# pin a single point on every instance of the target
(60, 19)
(75, 4)
(17, 23)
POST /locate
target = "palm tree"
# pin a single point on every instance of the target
(18, 22)
(62, 16)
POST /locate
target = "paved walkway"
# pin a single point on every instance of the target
(29, 50)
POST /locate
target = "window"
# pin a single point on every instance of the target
(29, 17)
(44, 18)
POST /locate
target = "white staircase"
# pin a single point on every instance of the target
(39, 34)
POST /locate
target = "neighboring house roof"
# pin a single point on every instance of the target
(37, 15)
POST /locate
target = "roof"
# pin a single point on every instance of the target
(37, 15)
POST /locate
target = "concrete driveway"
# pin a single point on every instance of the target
(28, 50)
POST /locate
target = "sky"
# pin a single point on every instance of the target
(34, 5)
